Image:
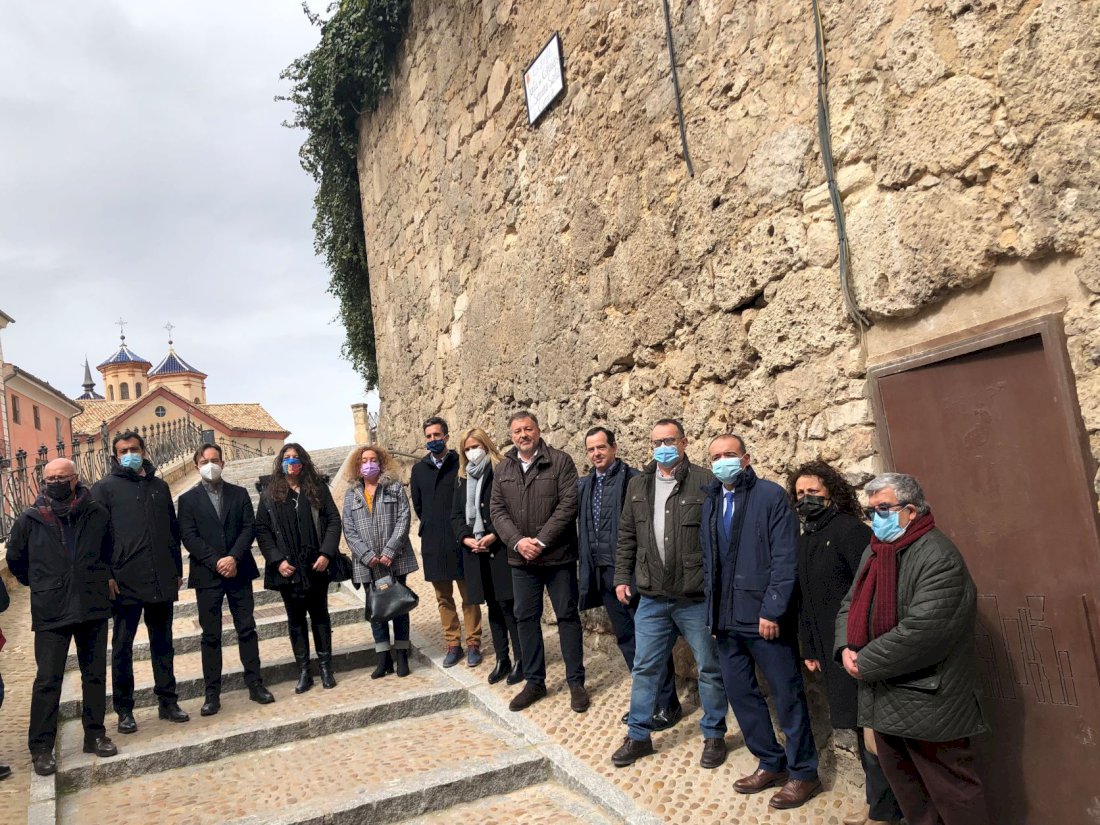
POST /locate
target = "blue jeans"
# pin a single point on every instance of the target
(656, 624)
(401, 624)
(740, 654)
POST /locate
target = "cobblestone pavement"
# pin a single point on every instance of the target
(17, 667)
(670, 783)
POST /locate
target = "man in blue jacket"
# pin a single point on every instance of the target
(600, 505)
(750, 559)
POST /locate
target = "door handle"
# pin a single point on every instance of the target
(1090, 623)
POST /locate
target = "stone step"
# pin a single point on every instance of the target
(187, 607)
(352, 648)
(270, 623)
(242, 725)
(383, 773)
(547, 803)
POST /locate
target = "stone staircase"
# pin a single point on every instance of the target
(429, 748)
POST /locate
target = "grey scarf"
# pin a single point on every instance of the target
(476, 473)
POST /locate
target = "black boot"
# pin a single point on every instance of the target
(502, 669)
(402, 661)
(299, 643)
(322, 641)
(385, 665)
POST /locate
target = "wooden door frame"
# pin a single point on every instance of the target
(1051, 330)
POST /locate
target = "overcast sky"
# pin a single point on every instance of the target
(145, 173)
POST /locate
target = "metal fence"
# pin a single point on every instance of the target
(21, 474)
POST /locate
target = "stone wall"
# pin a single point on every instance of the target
(576, 269)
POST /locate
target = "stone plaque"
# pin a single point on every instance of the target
(544, 80)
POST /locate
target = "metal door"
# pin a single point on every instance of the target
(992, 430)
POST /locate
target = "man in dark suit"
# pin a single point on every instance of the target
(216, 524)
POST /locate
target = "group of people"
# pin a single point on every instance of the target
(754, 578)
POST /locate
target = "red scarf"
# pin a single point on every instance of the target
(876, 588)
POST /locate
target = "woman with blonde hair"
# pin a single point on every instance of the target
(485, 559)
(376, 526)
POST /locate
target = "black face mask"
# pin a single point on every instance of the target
(59, 490)
(812, 508)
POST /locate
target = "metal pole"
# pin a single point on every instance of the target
(676, 87)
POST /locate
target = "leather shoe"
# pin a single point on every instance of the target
(527, 697)
(626, 718)
(516, 676)
(473, 656)
(260, 695)
(44, 764)
(759, 780)
(666, 718)
(860, 817)
(795, 794)
(578, 699)
(631, 751)
(101, 746)
(453, 657)
(502, 668)
(126, 723)
(714, 753)
(173, 713)
(5, 771)
(211, 706)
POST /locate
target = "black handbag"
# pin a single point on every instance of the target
(387, 599)
(339, 568)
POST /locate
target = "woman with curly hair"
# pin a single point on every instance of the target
(834, 537)
(298, 530)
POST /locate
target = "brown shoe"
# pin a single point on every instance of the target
(714, 752)
(860, 817)
(631, 751)
(759, 780)
(578, 698)
(795, 794)
(527, 697)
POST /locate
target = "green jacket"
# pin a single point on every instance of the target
(919, 680)
(637, 561)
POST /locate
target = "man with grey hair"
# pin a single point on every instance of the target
(906, 632)
(61, 548)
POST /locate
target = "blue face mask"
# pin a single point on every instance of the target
(292, 466)
(886, 527)
(726, 469)
(436, 446)
(666, 456)
(131, 461)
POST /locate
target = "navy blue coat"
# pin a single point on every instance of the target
(766, 565)
(608, 529)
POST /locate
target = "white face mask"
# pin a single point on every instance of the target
(475, 454)
(210, 472)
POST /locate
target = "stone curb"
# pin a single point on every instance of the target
(265, 629)
(43, 802)
(432, 791)
(87, 770)
(279, 670)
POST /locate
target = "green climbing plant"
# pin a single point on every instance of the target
(345, 76)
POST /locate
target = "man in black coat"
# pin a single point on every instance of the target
(433, 490)
(599, 508)
(216, 524)
(61, 549)
(146, 574)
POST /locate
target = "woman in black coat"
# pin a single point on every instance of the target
(298, 530)
(485, 559)
(833, 539)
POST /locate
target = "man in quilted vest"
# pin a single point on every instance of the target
(906, 632)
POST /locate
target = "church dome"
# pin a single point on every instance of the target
(172, 364)
(124, 355)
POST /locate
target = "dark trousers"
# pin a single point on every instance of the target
(158, 623)
(880, 796)
(51, 649)
(241, 605)
(935, 782)
(560, 583)
(402, 625)
(502, 619)
(622, 624)
(739, 654)
(314, 604)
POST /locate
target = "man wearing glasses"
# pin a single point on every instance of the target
(61, 549)
(906, 632)
(659, 554)
(750, 559)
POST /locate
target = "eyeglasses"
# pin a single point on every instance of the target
(671, 441)
(883, 509)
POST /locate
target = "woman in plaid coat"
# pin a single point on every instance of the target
(376, 526)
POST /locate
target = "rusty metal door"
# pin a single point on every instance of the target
(991, 428)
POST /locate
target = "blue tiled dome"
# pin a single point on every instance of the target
(124, 356)
(172, 364)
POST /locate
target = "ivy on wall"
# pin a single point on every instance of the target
(343, 77)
